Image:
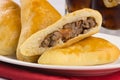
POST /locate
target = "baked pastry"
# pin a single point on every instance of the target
(66, 31)
(35, 15)
(10, 27)
(90, 51)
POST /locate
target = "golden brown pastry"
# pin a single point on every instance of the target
(35, 15)
(90, 51)
(68, 30)
(10, 27)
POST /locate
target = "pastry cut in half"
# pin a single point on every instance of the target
(68, 30)
(89, 51)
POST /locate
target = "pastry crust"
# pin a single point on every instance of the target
(32, 46)
(10, 27)
(35, 15)
(90, 51)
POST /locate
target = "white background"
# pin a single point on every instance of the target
(58, 4)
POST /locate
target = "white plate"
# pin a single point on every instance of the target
(74, 70)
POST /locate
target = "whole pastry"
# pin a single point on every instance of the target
(35, 15)
(90, 51)
(10, 27)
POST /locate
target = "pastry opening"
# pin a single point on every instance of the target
(69, 31)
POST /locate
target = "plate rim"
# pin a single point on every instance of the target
(35, 65)
(43, 66)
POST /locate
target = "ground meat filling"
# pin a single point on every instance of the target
(69, 30)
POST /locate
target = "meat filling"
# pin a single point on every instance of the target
(69, 30)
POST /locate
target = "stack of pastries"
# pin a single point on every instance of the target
(38, 33)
